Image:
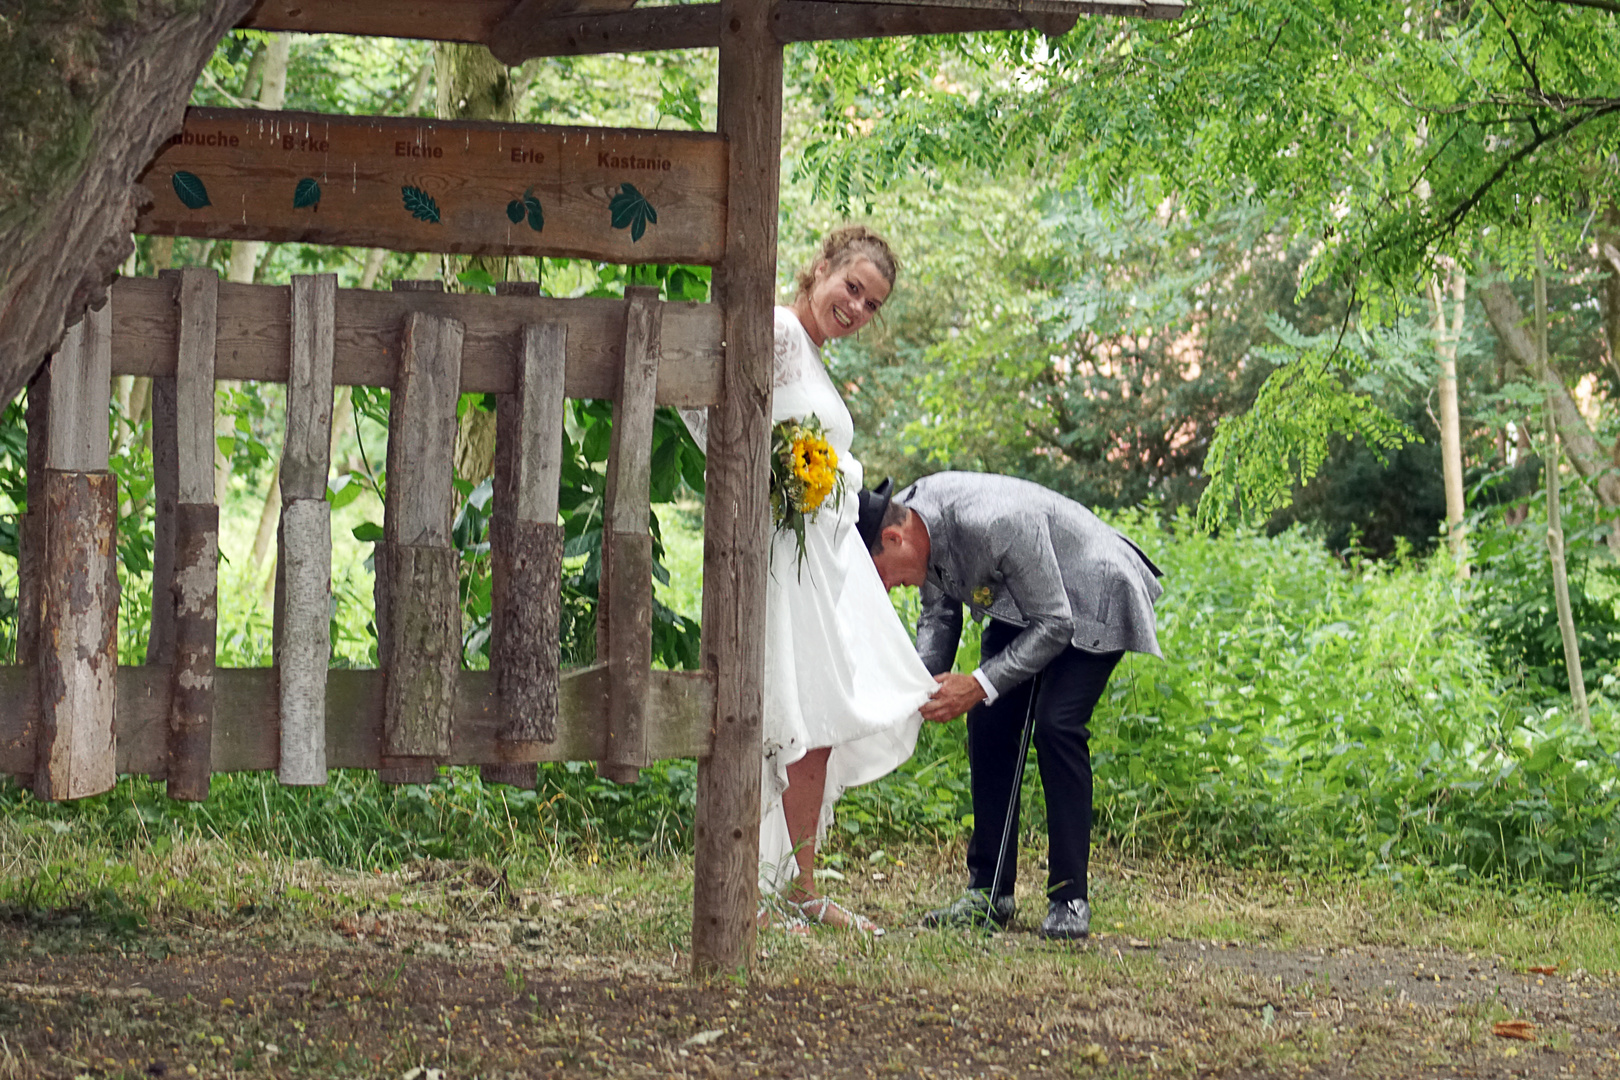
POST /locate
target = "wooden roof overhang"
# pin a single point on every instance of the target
(518, 30)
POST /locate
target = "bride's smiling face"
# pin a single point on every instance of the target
(843, 299)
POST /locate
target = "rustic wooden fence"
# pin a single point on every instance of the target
(71, 719)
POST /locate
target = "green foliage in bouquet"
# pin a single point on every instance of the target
(804, 471)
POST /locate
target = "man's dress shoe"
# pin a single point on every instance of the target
(974, 909)
(1067, 919)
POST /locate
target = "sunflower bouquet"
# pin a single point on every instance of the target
(804, 472)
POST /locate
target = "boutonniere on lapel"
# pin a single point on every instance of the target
(982, 596)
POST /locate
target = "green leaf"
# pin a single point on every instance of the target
(343, 491)
(368, 532)
(191, 190)
(514, 211)
(420, 204)
(307, 193)
(630, 209)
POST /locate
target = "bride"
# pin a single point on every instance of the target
(842, 679)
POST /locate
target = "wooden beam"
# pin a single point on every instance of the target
(247, 729)
(736, 504)
(434, 20)
(254, 340)
(1137, 9)
(469, 187)
(521, 31)
(815, 20)
(697, 26)
(526, 35)
(303, 630)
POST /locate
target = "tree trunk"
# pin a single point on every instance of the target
(245, 254)
(1446, 339)
(1555, 526)
(96, 93)
(1586, 454)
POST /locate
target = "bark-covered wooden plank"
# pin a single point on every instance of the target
(630, 454)
(425, 652)
(422, 433)
(247, 736)
(185, 588)
(165, 501)
(78, 655)
(306, 452)
(626, 195)
(423, 621)
(194, 384)
(736, 511)
(254, 338)
(526, 544)
(525, 652)
(304, 647)
(195, 597)
(303, 638)
(629, 656)
(625, 638)
(81, 395)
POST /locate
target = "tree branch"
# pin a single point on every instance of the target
(1458, 213)
(1602, 5)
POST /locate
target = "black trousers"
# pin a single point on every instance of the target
(1070, 687)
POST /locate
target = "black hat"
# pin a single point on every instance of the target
(873, 504)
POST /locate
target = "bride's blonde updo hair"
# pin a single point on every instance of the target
(849, 242)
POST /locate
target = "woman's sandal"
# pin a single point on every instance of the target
(816, 908)
(778, 914)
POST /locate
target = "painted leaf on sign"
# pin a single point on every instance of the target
(631, 210)
(307, 193)
(191, 189)
(420, 204)
(537, 217)
(514, 211)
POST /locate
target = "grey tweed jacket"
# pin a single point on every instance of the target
(1024, 555)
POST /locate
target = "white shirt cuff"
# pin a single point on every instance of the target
(990, 693)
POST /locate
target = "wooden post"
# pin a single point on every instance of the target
(526, 545)
(303, 637)
(627, 543)
(421, 646)
(736, 508)
(77, 641)
(192, 593)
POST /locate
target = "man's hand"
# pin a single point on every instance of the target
(955, 696)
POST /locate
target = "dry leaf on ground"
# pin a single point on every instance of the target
(1514, 1029)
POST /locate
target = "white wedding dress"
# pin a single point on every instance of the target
(840, 670)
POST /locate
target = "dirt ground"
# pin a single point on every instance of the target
(397, 995)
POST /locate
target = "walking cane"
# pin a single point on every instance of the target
(1012, 800)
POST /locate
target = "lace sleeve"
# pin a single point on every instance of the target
(793, 353)
(791, 360)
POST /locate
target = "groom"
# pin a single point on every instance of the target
(1066, 597)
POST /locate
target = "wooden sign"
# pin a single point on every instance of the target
(625, 196)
